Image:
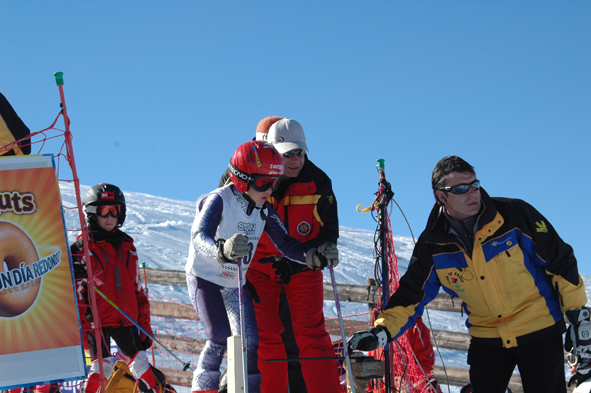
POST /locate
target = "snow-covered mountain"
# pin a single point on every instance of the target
(161, 230)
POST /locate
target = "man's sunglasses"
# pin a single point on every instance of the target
(462, 188)
(291, 153)
(262, 183)
(114, 210)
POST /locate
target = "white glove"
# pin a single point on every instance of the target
(368, 341)
(578, 334)
(235, 247)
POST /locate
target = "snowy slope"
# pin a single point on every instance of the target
(161, 230)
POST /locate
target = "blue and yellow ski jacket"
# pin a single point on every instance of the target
(520, 278)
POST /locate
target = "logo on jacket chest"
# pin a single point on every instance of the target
(304, 228)
(457, 277)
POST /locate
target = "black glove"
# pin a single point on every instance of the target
(281, 265)
(376, 338)
(283, 270)
(79, 270)
(578, 334)
(252, 292)
(88, 315)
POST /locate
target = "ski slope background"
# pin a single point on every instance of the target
(161, 229)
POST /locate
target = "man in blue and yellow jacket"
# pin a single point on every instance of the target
(516, 276)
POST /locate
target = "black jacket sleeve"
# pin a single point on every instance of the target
(327, 210)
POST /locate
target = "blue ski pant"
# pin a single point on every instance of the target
(219, 310)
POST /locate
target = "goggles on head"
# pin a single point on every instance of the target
(103, 211)
(462, 188)
(291, 153)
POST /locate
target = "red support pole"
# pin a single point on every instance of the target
(96, 325)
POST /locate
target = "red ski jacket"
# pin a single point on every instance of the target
(116, 274)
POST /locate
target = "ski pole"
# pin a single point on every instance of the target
(345, 349)
(242, 330)
(186, 366)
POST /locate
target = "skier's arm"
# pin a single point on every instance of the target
(549, 251)
(291, 248)
(78, 260)
(418, 286)
(80, 278)
(205, 225)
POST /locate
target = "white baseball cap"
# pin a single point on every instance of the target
(287, 134)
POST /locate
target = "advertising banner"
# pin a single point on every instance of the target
(40, 337)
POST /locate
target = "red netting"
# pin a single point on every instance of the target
(406, 374)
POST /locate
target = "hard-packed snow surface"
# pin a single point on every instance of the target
(161, 230)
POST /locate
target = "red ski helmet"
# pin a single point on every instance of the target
(256, 164)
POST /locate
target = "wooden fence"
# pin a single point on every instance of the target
(347, 293)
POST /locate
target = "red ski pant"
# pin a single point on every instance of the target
(419, 338)
(305, 296)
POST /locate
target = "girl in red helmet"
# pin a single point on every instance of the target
(228, 225)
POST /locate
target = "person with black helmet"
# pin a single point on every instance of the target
(228, 225)
(114, 264)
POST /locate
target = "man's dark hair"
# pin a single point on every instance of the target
(444, 167)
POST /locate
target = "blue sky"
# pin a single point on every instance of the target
(160, 94)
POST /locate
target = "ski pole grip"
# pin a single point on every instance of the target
(381, 164)
(59, 78)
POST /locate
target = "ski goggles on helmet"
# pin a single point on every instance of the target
(299, 152)
(462, 188)
(115, 211)
(262, 183)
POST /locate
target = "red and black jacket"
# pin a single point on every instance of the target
(307, 207)
(116, 274)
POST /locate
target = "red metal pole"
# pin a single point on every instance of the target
(96, 325)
